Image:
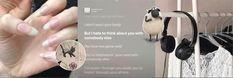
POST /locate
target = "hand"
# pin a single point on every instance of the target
(21, 41)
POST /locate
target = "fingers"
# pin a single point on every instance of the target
(23, 9)
(65, 34)
(49, 56)
(39, 22)
(7, 5)
(13, 25)
(51, 7)
(18, 8)
(66, 18)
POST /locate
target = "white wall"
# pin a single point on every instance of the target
(204, 6)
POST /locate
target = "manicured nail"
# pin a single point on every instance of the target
(25, 28)
(45, 43)
(50, 56)
(44, 55)
(33, 32)
(51, 24)
(42, 11)
(51, 41)
(41, 54)
(46, 27)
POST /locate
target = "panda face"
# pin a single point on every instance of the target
(152, 14)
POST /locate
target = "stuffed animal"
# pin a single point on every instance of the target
(153, 23)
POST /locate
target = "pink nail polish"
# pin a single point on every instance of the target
(23, 27)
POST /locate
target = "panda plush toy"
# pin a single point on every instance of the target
(153, 23)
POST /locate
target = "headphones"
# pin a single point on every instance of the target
(185, 49)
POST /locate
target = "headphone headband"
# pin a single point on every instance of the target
(194, 26)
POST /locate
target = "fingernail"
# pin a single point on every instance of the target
(51, 41)
(46, 27)
(46, 56)
(50, 56)
(41, 54)
(25, 28)
(45, 43)
(33, 32)
(42, 11)
(51, 24)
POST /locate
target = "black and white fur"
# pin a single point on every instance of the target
(153, 23)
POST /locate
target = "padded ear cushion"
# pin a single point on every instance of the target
(183, 51)
(168, 44)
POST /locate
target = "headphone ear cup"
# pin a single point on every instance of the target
(183, 51)
(168, 44)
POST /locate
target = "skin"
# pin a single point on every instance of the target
(23, 54)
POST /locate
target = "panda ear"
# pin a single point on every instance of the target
(149, 11)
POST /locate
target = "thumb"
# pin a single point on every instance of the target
(23, 9)
(13, 25)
